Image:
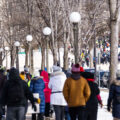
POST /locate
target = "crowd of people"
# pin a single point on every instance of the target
(72, 95)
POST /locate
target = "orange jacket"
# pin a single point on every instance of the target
(76, 92)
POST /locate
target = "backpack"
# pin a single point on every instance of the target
(15, 92)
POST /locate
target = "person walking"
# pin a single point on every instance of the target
(92, 103)
(114, 98)
(76, 92)
(15, 95)
(47, 93)
(37, 85)
(57, 80)
(3, 79)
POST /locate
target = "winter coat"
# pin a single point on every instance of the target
(76, 91)
(37, 85)
(92, 103)
(114, 98)
(47, 91)
(3, 79)
(57, 80)
(7, 98)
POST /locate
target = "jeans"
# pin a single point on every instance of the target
(59, 112)
(15, 113)
(77, 112)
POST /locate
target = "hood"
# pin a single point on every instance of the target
(56, 74)
(116, 82)
(75, 76)
(14, 74)
(45, 76)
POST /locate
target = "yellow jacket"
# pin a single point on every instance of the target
(76, 92)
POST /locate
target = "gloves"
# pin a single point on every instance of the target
(34, 107)
(108, 108)
(37, 100)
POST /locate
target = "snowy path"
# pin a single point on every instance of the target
(103, 114)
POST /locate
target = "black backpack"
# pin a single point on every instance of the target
(15, 92)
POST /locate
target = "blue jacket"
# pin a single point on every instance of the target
(37, 85)
(114, 98)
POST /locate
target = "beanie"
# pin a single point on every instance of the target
(76, 68)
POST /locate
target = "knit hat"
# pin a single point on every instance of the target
(76, 68)
(56, 68)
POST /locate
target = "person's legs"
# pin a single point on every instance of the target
(72, 111)
(81, 113)
(93, 115)
(11, 113)
(47, 109)
(57, 112)
(20, 113)
(34, 116)
(62, 108)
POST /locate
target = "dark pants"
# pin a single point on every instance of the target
(15, 113)
(91, 115)
(40, 116)
(59, 112)
(47, 109)
(77, 112)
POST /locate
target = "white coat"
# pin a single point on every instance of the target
(56, 84)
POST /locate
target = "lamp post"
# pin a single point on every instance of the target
(47, 32)
(29, 39)
(6, 49)
(75, 18)
(17, 44)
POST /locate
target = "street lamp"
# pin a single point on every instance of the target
(29, 39)
(17, 44)
(75, 18)
(47, 31)
(6, 49)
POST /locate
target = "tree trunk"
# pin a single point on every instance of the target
(114, 50)
(12, 59)
(43, 58)
(91, 58)
(65, 56)
(114, 25)
(55, 54)
(0, 58)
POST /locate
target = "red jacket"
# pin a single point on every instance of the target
(47, 91)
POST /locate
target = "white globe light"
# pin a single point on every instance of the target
(6, 48)
(17, 43)
(47, 31)
(1, 49)
(29, 38)
(75, 17)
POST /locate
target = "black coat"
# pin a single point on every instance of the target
(114, 96)
(92, 103)
(15, 80)
(27, 95)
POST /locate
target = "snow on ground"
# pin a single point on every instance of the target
(103, 114)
